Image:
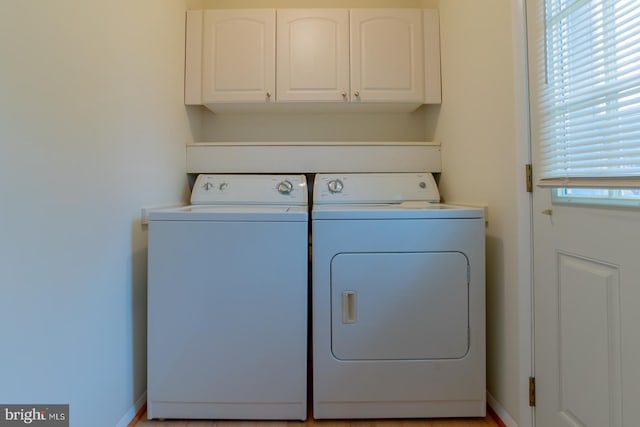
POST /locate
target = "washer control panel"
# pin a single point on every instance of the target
(375, 188)
(210, 189)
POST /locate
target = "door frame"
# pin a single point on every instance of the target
(524, 210)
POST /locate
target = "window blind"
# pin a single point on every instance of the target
(590, 104)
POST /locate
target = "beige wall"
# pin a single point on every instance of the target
(476, 126)
(92, 128)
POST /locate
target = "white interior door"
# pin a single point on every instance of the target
(586, 298)
(586, 308)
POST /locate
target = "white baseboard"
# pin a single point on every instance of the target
(491, 401)
(131, 413)
(500, 411)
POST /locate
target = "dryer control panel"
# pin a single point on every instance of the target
(375, 188)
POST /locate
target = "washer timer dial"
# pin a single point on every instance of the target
(285, 187)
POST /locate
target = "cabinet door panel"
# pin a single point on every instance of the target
(387, 55)
(313, 55)
(239, 56)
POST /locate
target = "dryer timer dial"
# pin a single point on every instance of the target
(335, 186)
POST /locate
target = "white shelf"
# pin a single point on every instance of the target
(312, 157)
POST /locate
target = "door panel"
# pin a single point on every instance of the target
(589, 353)
(387, 55)
(313, 55)
(399, 306)
(239, 50)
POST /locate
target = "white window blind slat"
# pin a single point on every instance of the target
(596, 150)
(604, 182)
(587, 129)
(583, 67)
(600, 83)
(591, 100)
(587, 118)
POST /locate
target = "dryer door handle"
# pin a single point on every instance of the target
(348, 306)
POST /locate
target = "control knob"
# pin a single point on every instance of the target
(335, 186)
(207, 186)
(285, 187)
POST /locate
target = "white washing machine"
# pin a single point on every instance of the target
(227, 301)
(398, 299)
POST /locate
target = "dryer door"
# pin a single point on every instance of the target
(399, 306)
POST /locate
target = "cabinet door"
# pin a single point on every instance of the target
(238, 56)
(313, 55)
(387, 55)
(432, 81)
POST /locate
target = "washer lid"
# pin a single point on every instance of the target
(262, 213)
(249, 189)
(404, 210)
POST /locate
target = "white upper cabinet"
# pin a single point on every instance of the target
(387, 55)
(321, 58)
(239, 49)
(313, 55)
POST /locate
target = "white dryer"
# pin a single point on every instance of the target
(227, 301)
(398, 299)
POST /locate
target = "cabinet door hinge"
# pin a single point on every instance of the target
(529, 177)
(532, 391)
